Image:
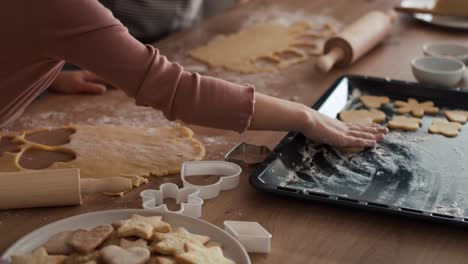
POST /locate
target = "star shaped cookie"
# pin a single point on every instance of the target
(405, 123)
(458, 116)
(370, 101)
(173, 243)
(142, 226)
(198, 254)
(416, 108)
(446, 128)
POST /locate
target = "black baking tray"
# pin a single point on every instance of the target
(414, 174)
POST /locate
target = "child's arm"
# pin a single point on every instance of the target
(86, 34)
(281, 115)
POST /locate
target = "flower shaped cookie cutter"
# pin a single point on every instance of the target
(190, 203)
(191, 196)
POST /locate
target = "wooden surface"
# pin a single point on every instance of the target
(303, 232)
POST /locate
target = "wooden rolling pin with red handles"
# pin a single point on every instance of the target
(356, 40)
(42, 188)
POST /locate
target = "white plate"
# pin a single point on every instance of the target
(444, 21)
(232, 249)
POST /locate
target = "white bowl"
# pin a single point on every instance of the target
(231, 247)
(438, 70)
(447, 49)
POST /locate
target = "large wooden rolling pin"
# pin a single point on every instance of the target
(356, 40)
(53, 188)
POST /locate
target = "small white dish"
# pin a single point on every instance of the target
(438, 70)
(447, 49)
(251, 235)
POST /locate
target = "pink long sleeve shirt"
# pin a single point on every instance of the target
(39, 36)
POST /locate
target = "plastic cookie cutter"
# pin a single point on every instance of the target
(229, 172)
(190, 202)
(254, 237)
(191, 196)
(246, 154)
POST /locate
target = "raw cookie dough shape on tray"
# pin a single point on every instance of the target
(371, 101)
(416, 108)
(405, 123)
(459, 116)
(445, 128)
(263, 47)
(102, 151)
(360, 117)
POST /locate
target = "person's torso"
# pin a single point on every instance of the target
(150, 20)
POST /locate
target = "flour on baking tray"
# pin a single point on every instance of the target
(391, 173)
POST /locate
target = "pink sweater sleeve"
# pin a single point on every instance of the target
(85, 33)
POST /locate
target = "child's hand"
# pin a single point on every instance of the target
(322, 129)
(281, 115)
(80, 81)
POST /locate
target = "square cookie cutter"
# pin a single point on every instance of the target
(191, 196)
(254, 237)
(247, 155)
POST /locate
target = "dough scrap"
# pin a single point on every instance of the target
(110, 151)
(458, 116)
(416, 108)
(260, 48)
(370, 101)
(446, 128)
(362, 117)
(405, 123)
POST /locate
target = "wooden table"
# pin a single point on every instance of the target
(303, 232)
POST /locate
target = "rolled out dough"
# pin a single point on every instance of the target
(109, 151)
(262, 48)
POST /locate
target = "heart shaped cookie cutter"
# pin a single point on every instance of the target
(229, 172)
(190, 203)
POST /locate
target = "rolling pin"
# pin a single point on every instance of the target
(356, 40)
(27, 189)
